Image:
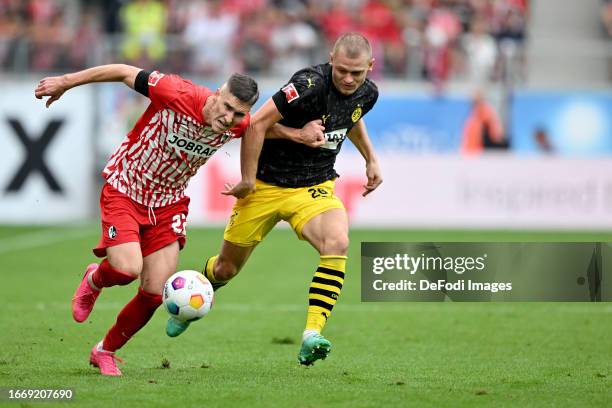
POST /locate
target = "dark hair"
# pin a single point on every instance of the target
(353, 44)
(244, 88)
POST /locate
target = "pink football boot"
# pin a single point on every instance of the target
(85, 296)
(106, 361)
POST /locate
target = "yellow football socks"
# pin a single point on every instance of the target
(324, 290)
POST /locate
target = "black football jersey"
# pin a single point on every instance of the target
(310, 95)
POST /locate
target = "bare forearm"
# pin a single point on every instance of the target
(54, 87)
(359, 136)
(103, 73)
(249, 153)
(278, 131)
(252, 142)
(311, 134)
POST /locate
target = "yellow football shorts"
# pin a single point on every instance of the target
(255, 215)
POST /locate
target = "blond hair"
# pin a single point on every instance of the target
(354, 44)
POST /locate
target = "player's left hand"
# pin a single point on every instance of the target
(239, 190)
(374, 177)
(50, 86)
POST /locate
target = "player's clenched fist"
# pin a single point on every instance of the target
(312, 133)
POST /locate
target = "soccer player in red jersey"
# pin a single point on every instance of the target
(143, 203)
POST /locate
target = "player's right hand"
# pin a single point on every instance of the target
(52, 87)
(312, 134)
(239, 190)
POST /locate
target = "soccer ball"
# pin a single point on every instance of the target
(188, 295)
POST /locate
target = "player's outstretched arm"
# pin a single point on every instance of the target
(54, 87)
(250, 147)
(311, 134)
(359, 136)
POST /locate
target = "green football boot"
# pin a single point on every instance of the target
(314, 347)
(174, 327)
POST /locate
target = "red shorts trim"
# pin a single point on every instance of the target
(125, 220)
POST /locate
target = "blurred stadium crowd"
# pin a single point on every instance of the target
(412, 39)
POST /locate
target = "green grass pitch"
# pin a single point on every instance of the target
(244, 353)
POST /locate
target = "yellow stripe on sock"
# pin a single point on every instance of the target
(324, 298)
(209, 272)
(209, 269)
(327, 276)
(326, 287)
(336, 262)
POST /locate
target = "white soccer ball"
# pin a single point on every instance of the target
(188, 295)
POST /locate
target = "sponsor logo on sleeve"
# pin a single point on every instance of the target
(290, 92)
(154, 78)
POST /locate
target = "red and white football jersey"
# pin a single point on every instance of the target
(168, 144)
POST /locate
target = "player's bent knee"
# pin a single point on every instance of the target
(127, 267)
(335, 245)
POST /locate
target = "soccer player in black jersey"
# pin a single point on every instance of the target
(304, 124)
